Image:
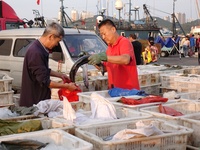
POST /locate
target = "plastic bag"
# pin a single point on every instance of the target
(68, 112)
(70, 95)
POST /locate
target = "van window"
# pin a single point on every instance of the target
(88, 43)
(21, 46)
(57, 54)
(5, 46)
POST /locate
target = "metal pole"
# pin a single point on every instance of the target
(119, 18)
(129, 12)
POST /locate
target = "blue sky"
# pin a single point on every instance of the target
(50, 8)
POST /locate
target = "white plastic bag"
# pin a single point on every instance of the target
(102, 108)
(68, 111)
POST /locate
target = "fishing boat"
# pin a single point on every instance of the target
(143, 28)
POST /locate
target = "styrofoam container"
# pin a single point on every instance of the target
(193, 121)
(57, 139)
(5, 83)
(174, 137)
(6, 98)
(186, 108)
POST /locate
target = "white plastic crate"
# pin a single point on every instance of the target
(6, 98)
(123, 114)
(193, 121)
(85, 106)
(188, 85)
(190, 96)
(186, 108)
(138, 107)
(175, 138)
(16, 98)
(153, 89)
(148, 77)
(57, 139)
(168, 80)
(5, 83)
(85, 96)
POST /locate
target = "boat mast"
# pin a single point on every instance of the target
(63, 15)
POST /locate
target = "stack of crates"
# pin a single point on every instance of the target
(6, 93)
(150, 82)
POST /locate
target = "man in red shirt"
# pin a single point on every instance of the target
(119, 58)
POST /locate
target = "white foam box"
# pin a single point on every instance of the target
(193, 121)
(123, 114)
(6, 98)
(57, 139)
(174, 137)
(186, 108)
(5, 83)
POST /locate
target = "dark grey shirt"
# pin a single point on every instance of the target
(35, 75)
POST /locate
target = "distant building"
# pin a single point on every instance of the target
(181, 17)
(74, 15)
(167, 18)
(85, 15)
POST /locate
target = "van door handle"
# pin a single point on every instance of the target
(8, 70)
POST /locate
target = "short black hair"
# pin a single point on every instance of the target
(134, 36)
(151, 40)
(106, 22)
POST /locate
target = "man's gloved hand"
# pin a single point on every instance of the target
(97, 58)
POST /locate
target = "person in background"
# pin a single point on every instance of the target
(137, 46)
(186, 46)
(151, 52)
(192, 44)
(36, 82)
(119, 58)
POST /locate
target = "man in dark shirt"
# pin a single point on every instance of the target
(36, 73)
(137, 46)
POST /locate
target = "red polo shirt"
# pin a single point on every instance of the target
(122, 76)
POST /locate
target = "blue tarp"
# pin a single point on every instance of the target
(168, 42)
(116, 92)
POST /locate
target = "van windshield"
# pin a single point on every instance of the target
(88, 43)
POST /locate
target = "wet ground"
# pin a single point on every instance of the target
(175, 60)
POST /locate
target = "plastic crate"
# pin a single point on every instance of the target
(186, 108)
(85, 96)
(148, 77)
(190, 96)
(138, 107)
(193, 122)
(6, 98)
(57, 139)
(5, 83)
(175, 139)
(123, 114)
(152, 89)
(188, 85)
(85, 106)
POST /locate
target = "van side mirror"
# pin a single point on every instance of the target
(56, 56)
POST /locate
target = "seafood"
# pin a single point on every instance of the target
(82, 61)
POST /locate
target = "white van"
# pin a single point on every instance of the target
(14, 43)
